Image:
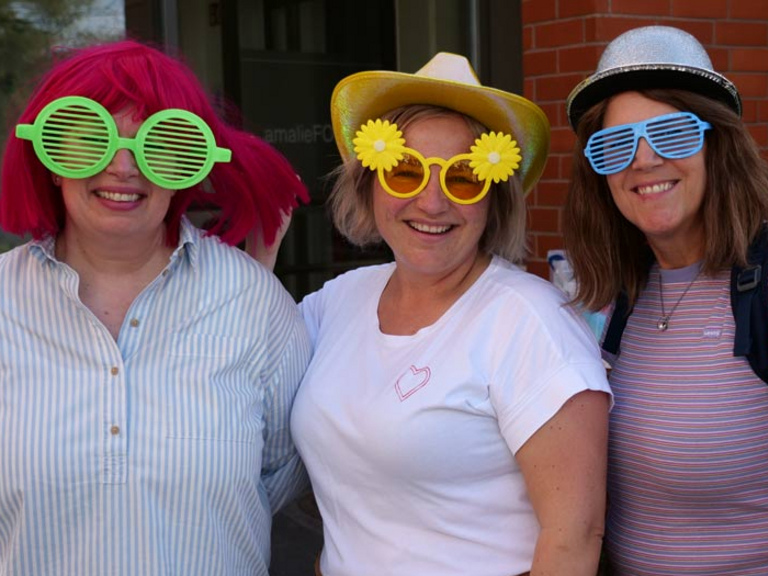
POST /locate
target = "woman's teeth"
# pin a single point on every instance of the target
(426, 228)
(117, 196)
(655, 188)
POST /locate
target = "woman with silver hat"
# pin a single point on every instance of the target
(454, 417)
(668, 192)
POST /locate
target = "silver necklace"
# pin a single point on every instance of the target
(663, 322)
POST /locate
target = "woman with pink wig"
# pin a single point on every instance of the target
(147, 367)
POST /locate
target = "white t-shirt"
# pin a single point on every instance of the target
(409, 440)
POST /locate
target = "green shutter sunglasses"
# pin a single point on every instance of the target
(77, 137)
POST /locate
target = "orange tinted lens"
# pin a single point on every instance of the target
(462, 182)
(407, 176)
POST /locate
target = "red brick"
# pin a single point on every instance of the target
(529, 89)
(720, 58)
(571, 8)
(527, 38)
(700, 8)
(538, 62)
(741, 33)
(565, 160)
(556, 87)
(750, 85)
(544, 219)
(762, 111)
(560, 119)
(560, 33)
(644, 7)
(606, 28)
(749, 110)
(749, 59)
(551, 171)
(579, 58)
(566, 164)
(538, 10)
(530, 200)
(749, 9)
(552, 112)
(547, 242)
(538, 267)
(552, 194)
(534, 242)
(531, 241)
(562, 140)
(759, 133)
(703, 30)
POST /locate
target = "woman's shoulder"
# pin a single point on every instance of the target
(350, 290)
(510, 293)
(11, 254)
(24, 254)
(209, 250)
(358, 278)
(510, 280)
(346, 298)
(231, 269)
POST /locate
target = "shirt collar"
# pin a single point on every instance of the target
(186, 250)
(189, 243)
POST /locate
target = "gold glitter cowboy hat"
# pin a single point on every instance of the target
(449, 81)
(652, 57)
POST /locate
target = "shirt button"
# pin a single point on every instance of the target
(165, 272)
(134, 322)
(114, 430)
(115, 370)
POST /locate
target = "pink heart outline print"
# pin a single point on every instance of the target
(413, 380)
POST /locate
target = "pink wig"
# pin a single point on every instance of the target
(250, 192)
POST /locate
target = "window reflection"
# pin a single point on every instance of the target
(33, 31)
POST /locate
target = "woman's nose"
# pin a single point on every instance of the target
(432, 199)
(645, 156)
(123, 164)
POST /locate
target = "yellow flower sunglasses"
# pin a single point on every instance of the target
(403, 172)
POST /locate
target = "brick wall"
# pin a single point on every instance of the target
(562, 42)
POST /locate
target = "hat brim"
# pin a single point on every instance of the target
(613, 81)
(369, 95)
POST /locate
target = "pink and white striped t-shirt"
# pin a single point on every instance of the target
(688, 464)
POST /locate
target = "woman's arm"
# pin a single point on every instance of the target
(258, 250)
(564, 466)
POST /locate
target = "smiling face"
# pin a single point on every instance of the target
(662, 197)
(429, 234)
(117, 203)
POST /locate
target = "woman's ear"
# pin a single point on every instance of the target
(56, 179)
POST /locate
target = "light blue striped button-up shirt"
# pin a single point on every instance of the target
(164, 453)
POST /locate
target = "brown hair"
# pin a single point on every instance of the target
(351, 200)
(610, 254)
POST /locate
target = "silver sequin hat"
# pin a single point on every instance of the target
(652, 57)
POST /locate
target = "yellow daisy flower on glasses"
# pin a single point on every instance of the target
(379, 145)
(495, 156)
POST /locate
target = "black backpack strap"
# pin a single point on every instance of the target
(616, 325)
(749, 301)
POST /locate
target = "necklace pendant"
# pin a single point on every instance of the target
(663, 323)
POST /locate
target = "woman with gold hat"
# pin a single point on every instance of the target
(668, 192)
(454, 418)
